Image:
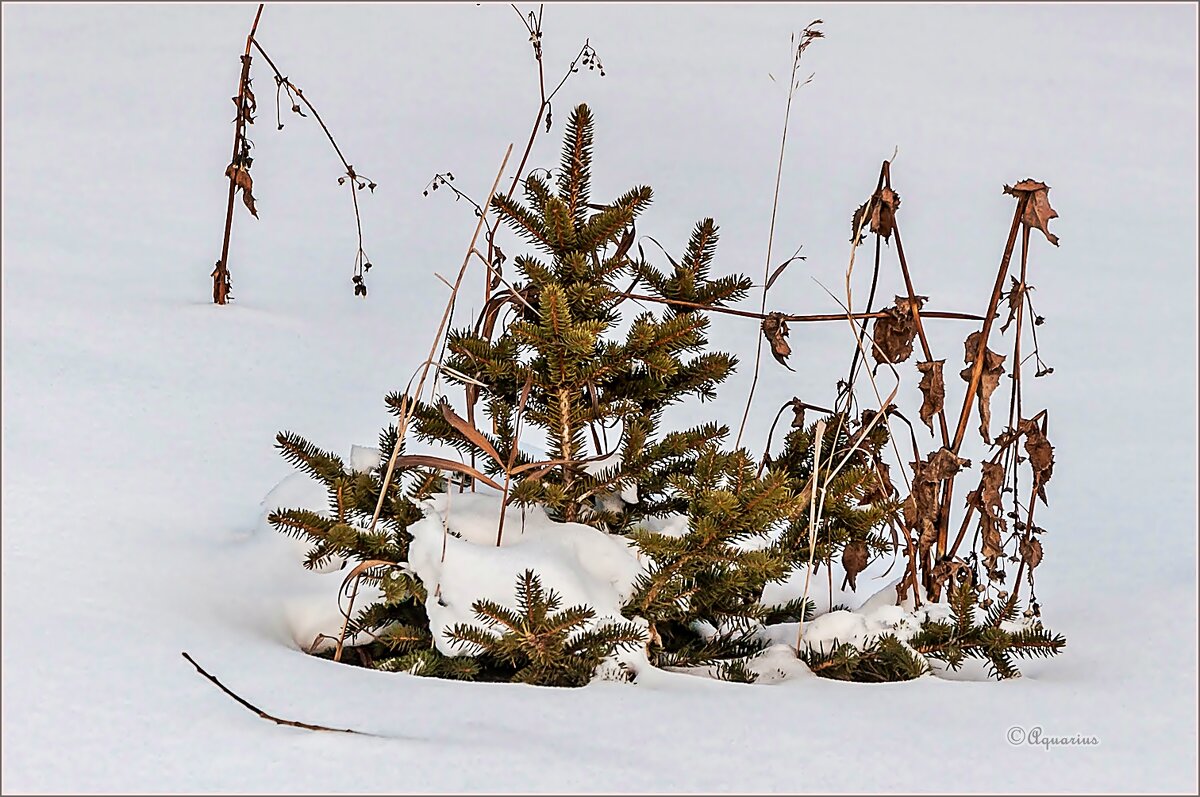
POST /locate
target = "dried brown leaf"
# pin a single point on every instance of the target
(943, 464)
(798, 408)
(775, 330)
(883, 212)
(854, 560)
(1016, 294)
(881, 488)
(423, 460)
(471, 433)
(933, 388)
(241, 179)
(989, 380)
(946, 570)
(921, 509)
(1041, 456)
(250, 97)
(1031, 551)
(896, 329)
(991, 531)
(1037, 210)
(990, 484)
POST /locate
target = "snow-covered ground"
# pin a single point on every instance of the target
(138, 419)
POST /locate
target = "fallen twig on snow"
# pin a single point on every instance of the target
(260, 712)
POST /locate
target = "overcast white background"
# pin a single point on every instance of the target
(138, 421)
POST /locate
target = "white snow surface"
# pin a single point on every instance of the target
(139, 419)
(454, 553)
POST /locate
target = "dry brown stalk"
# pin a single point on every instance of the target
(251, 707)
(406, 410)
(239, 166)
(220, 274)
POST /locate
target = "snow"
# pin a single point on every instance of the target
(455, 555)
(139, 420)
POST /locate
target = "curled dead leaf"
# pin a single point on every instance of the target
(854, 560)
(943, 464)
(1041, 456)
(1031, 551)
(881, 488)
(241, 180)
(1016, 294)
(948, 569)
(883, 212)
(989, 380)
(991, 533)
(896, 329)
(798, 408)
(775, 330)
(921, 509)
(1037, 210)
(990, 484)
(933, 388)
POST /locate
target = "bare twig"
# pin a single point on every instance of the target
(251, 707)
(812, 317)
(357, 181)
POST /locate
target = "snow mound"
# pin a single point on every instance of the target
(454, 553)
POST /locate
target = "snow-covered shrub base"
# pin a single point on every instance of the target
(454, 553)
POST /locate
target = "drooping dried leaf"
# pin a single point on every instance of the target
(896, 329)
(883, 212)
(989, 380)
(990, 484)
(858, 220)
(775, 330)
(881, 487)
(241, 179)
(1041, 456)
(424, 460)
(1037, 210)
(943, 464)
(854, 560)
(1016, 295)
(798, 408)
(253, 104)
(933, 388)
(1031, 551)
(470, 432)
(946, 570)
(921, 509)
(991, 533)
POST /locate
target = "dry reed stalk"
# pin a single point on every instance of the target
(808, 35)
(406, 408)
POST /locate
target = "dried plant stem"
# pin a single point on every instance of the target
(220, 274)
(406, 409)
(812, 526)
(341, 642)
(771, 240)
(989, 317)
(813, 317)
(916, 314)
(251, 707)
(353, 176)
(976, 374)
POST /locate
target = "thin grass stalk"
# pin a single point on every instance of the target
(406, 408)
